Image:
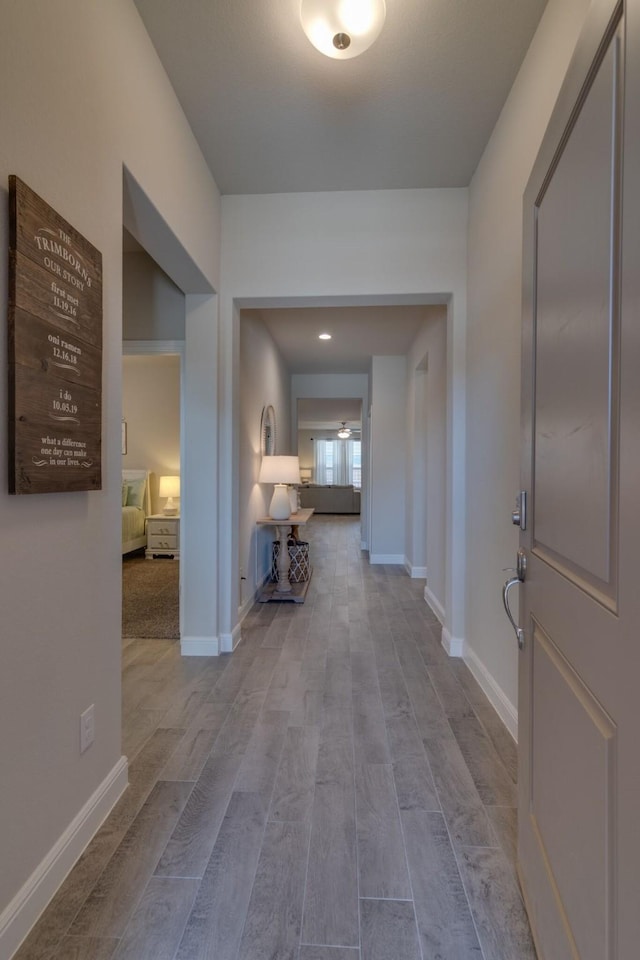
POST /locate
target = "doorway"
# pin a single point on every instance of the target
(153, 310)
(330, 451)
(151, 405)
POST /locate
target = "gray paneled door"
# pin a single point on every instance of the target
(579, 804)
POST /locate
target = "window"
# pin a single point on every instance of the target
(356, 468)
(328, 461)
(339, 462)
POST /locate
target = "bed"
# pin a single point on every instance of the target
(136, 506)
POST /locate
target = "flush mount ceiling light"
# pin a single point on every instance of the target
(342, 28)
(344, 432)
(324, 336)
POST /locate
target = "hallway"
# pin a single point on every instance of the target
(337, 789)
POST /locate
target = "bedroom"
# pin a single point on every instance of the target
(151, 426)
(153, 322)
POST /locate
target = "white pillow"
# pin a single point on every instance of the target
(135, 492)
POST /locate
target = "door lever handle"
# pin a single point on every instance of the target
(505, 599)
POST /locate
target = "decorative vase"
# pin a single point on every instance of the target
(280, 507)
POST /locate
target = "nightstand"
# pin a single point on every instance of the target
(163, 536)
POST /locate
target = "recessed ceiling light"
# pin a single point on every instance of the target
(324, 336)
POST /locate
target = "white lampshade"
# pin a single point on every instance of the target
(342, 29)
(170, 488)
(280, 471)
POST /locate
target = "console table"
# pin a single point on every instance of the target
(284, 589)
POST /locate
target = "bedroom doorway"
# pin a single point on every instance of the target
(152, 405)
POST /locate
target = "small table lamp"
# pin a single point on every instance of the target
(305, 474)
(170, 488)
(279, 471)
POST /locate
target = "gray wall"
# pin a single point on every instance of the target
(153, 307)
(82, 98)
(151, 409)
(493, 345)
(426, 417)
(264, 380)
(388, 460)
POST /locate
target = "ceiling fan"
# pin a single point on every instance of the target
(344, 432)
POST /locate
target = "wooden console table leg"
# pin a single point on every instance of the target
(284, 561)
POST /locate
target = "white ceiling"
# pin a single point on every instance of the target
(319, 412)
(273, 115)
(358, 333)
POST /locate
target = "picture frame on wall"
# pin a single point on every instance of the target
(55, 351)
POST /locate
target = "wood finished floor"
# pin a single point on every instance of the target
(336, 789)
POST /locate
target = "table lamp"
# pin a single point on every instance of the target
(279, 471)
(170, 488)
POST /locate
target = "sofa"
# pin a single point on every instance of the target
(330, 499)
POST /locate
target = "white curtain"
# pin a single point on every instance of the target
(343, 459)
(334, 462)
(321, 461)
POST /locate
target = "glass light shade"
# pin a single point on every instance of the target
(279, 469)
(342, 29)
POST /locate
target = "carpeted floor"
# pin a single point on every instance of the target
(150, 605)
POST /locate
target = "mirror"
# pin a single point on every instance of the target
(268, 432)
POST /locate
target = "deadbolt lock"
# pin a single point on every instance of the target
(519, 515)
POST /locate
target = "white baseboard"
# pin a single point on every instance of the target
(245, 607)
(243, 610)
(19, 916)
(395, 559)
(499, 700)
(199, 646)
(416, 573)
(435, 604)
(454, 646)
(229, 641)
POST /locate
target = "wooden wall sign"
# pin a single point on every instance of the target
(55, 350)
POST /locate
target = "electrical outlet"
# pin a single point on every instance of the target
(87, 728)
